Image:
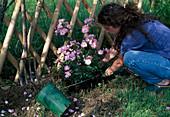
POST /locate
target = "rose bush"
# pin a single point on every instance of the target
(80, 59)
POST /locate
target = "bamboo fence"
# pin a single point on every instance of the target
(12, 30)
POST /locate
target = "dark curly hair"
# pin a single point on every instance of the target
(128, 17)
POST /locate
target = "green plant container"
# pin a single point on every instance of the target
(54, 100)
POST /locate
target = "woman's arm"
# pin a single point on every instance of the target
(110, 54)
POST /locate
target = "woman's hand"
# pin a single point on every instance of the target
(110, 54)
(108, 72)
(117, 64)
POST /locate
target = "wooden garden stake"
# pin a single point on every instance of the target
(126, 1)
(102, 33)
(99, 43)
(24, 27)
(8, 36)
(41, 32)
(34, 22)
(120, 2)
(21, 64)
(87, 6)
(74, 17)
(93, 9)
(47, 10)
(3, 4)
(70, 10)
(49, 37)
(102, 2)
(112, 0)
(10, 58)
(140, 5)
(135, 1)
(152, 2)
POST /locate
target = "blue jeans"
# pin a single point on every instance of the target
(151, 67)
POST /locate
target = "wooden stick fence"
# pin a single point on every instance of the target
(9, 34)
(48, 38)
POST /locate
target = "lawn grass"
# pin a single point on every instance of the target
(144, 104)
(132, 101)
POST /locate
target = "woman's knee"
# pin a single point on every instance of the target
(129, 57)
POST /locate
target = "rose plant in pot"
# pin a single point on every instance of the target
(79, 59)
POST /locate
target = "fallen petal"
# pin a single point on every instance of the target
(10, 110)
(75, 113)
(14, 114)
(2, 111)
(25, 93)
(77, 108)
(6, 102)
(23, 108)
(30, 95)
(38, 108)
(82, 114)
(28, 108)
(168, 108)
(71, 110)
(2, 115)
(74, 99)
(65, 114)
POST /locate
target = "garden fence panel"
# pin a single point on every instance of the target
(48, 38)
(19, 35)
(32, 51)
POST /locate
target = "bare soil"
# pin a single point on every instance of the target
(91, 100)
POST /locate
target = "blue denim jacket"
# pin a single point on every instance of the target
(157, 32)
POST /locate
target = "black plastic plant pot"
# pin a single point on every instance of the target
(53, 99)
